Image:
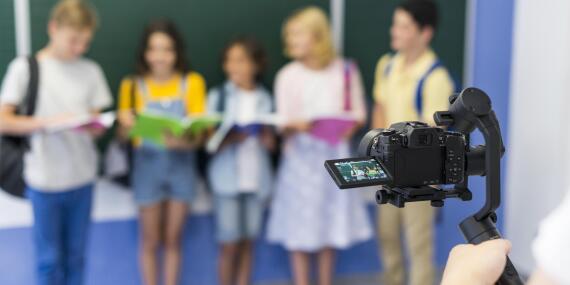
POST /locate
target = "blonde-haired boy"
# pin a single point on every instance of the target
(60, 168)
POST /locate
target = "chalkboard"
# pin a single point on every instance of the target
(206, 25)
(367, 35)
(7, 39)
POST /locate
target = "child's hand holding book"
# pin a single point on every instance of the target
(188, 141)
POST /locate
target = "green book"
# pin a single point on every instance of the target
(153, 127)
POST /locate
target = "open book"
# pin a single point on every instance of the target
(251, 125)
(153, 127)
(102, 121)
(328, 127)
(331, 128)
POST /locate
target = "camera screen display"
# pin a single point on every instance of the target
(357, 172)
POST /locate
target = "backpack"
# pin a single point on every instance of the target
(13, 148)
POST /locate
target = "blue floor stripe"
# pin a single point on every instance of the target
(113, 255)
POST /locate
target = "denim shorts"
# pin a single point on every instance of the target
(238, 217)
(159, 175)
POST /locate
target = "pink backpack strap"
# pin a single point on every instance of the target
(348, 66)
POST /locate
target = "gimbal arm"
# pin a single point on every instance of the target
(469, 110)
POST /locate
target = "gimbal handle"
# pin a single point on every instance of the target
(476, 232)
(469, 110)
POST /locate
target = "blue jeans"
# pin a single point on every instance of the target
(61, 224)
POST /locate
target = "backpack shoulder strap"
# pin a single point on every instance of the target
(388, 67)
(348, 69)
(29, 103)
(419, 89)
(133, 94)
(184, 88)
(142, 86)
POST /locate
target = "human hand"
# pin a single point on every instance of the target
(126, 119)
(351, 131)
(297, 127)
(480, 264)
(268, 139)
(173, 142)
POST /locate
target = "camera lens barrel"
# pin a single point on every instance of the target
(366, 143)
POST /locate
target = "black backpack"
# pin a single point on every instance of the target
(13, 148)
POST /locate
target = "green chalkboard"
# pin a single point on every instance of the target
(208, 24)
(205, 24)
(7, 35)
(367, 35)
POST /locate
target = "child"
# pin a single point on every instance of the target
(240, 171)
(163, 178)
(410, 85)
(60, 168)
(309, 213)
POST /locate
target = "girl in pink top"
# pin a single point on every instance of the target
(320, 98)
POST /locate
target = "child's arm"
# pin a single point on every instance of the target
(378, 117)
(13, 124)
(101, 98)
(357, 101)
(268, 139)
(126, 108)
(285, 107)
(378, 111)
(12, 93)
(126, 120)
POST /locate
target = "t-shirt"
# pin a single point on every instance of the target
(63, 160)
(306, 94)
(396, 89)
(247, 153)
(550, 248)
(195, 96)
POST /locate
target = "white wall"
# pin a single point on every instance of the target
(540, 86)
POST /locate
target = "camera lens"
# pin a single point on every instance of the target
(365, 146)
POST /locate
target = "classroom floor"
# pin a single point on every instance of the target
(112, 253)
(113, 257)
(113, 246)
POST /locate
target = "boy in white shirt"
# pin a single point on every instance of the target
(60, 168)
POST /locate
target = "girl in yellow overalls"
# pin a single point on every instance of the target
(163, 177)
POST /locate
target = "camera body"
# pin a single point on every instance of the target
(416, 154)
